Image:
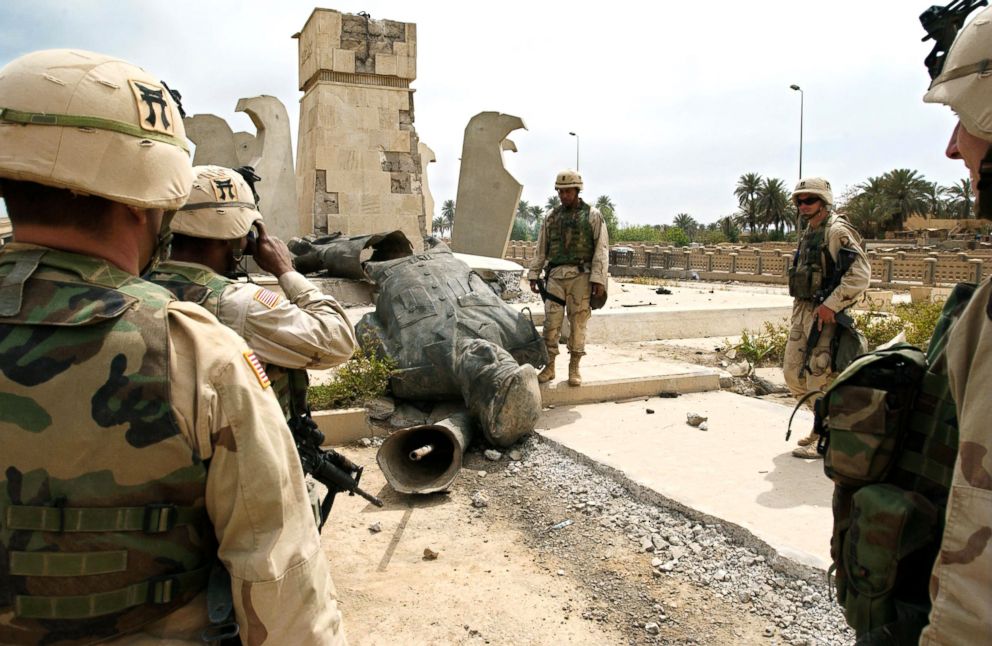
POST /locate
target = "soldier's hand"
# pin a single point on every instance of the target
(533, 287)
(597, 290)
(272, 254)
(824, 315)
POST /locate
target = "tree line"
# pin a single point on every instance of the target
(765, 211)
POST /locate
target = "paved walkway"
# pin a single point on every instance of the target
(739, 470)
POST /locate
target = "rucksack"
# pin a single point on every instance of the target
(888, 434)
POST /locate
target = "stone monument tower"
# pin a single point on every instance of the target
(358, 160)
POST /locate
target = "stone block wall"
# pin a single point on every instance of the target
(359, 167)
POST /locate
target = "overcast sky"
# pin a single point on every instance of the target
(672, 101)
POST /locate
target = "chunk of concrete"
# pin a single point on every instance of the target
(487, 194)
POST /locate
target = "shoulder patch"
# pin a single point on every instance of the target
(267, 298)
(256, 366)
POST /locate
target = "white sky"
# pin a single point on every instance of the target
(672, 101)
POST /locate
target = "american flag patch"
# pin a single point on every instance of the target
(256, 366)
(267, 298)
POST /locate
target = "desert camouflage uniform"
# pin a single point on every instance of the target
(837, 233)
(113, 394)
(568, 282)
(305, 330)
(961, 585)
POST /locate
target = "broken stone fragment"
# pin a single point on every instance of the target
(375, 528)
(694, 419)
(493, 455)
(430, 555)
(480, 500)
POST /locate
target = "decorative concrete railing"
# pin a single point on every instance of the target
(771, 265)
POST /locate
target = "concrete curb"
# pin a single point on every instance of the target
(776, 560)
(559, 393)
(343, 426)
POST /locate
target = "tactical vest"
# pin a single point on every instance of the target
(812, 267)
(569, 236)
(102, 521)
(889, 435)
(203, 286)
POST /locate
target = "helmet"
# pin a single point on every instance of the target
(815, 186)
(95, 125)
(965, 84)
(568, 178)
(220, 206)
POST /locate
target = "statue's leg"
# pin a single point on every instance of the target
(503, 394)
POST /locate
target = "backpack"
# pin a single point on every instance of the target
(888, 434)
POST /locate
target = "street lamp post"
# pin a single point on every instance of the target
(801, 101)
(576, 149)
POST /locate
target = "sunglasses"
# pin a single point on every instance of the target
(807, 200)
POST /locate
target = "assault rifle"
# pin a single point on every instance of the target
(543, 290)
(942, 24)
(845, 258)
(327, 466)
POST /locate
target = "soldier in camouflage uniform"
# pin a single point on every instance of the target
(574, 246)
(304, 330)
(142, 446)
(961, 585)
(825, 234)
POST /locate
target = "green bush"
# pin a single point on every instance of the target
(916, 319)
(363, 378)
(676, 236)
(765, 346)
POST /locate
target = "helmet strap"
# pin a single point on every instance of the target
(983, 191)
(163, 244)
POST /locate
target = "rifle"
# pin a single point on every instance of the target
(845, 258)
(942, 24)
(327, 466)
(542, 288)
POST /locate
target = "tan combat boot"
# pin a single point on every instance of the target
(574, 378)
(548, 373)
(809, 439)
(808, 452)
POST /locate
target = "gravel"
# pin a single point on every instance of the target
(672, 547)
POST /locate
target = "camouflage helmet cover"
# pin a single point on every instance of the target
(815, 186)
(965, 84)
(220, 206)
(95, 125)
(568, 178)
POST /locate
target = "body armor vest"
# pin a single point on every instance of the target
(102, 521)
(569, 236)
(811, 265)
(203, 286)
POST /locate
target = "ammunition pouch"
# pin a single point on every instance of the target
(884, 547)
(804, 282)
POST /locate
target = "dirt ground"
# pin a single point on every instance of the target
(502, 576)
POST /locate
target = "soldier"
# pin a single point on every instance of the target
(142, 447)
(961, 585)
(821, 287)
(573, 250)
(306, 329)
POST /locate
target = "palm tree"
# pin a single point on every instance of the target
(935, 199)
(552, 203)
(609, 211)
(772, 203)
(687, 223)
(960, 197)
(523, 211)
(437, 226)
(748, 187)
(866, 206)
(906, 192)
(448, 213)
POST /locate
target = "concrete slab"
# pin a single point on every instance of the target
(739, 471)
(636, 313)
(611, 374)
